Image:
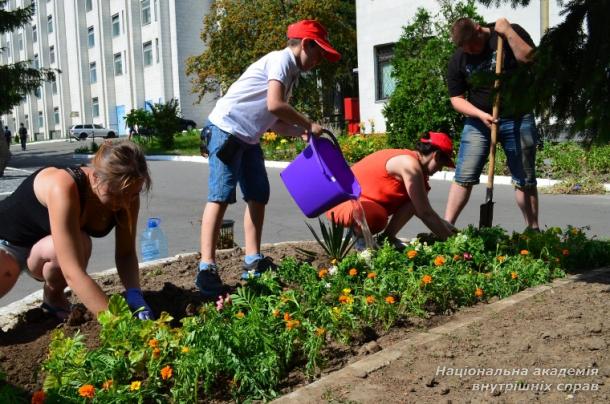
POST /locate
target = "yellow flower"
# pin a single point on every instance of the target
(320, 331)
(371, 275)
(87, 391)
(411, 254)
(524, 252)
(153, 343)
(240, 314)
(166, 372)
(336, 311)
(107, 384)
(390, 300)
(347, 291)
(514, 275)
(370, 299)
(353, 272)
(185, 349)
(426, 279)
(501, 258)
(479, 292)
(135, 385)
(333, 261)
(283, 141)
(439, 260)
(322, 273)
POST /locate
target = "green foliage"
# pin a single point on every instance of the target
(251, 29)
(356, 147)
(334, 242)
(420, 101)
(18, 79)
(281, 148)
(139, 117)
(164, 122)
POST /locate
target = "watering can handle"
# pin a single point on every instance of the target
(312, 142)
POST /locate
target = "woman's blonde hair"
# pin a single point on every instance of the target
(121, 164)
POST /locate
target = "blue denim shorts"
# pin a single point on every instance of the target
(246, 168)
(518, 138)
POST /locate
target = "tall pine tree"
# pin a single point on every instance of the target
(20, 78)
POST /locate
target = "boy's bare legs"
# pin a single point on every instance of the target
(527, 200)
(457, 199)
(254, 218)
(211, 221)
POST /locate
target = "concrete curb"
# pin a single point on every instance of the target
(355, 372)
(9, 314)
(439, 176)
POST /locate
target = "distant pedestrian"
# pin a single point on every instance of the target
(8, 135)
(23, 135)
(4, 157)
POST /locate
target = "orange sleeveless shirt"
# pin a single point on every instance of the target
(377, 184)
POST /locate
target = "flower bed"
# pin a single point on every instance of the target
(243, 345)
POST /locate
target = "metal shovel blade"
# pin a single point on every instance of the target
(487, 214)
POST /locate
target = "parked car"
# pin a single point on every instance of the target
(187, 124)
(90, 131)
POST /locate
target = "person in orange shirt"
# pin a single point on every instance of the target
(394, 184)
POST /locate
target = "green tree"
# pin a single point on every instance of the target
(420, 102)
(238, 32)
(571, 70)
(18, 79)
(140, 117)
(164, 121)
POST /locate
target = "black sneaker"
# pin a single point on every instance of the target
(255, 269)
(209, 284)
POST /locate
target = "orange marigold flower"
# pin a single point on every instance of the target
(135, 385)
(439, 260)
(322, 273)
(411, 254)
(320, 331)
(156, 353)
(371, 275)
(565, 252)
(275, 313)
(353, 272)
(514, 275)
(185, 349)
(87, 391)
(167, 372)
(426, 279)
(390, 300)
(153, 343)
(343, 299)
(524, 252)
(370, 299)
(287, 316)
(292, 324)
(107, 384)
(501, 258)
(38, 397)
(479, 292)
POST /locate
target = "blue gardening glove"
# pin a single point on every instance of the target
(136, 301)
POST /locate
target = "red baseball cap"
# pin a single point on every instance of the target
(311, 29)
(443, 143)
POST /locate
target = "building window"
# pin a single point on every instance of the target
(36, 62)
(145, 4)
(89, 5)
(52, 54)
(40, 119)
(157, 48)
(56, 115)
(54, 86)
(384, 82)
(34, 34)
(37, 92)
(50, 24)
(90, 37)
(118, 64)
(95, 107)
(116, 25)
(92, 73)
(147, 50)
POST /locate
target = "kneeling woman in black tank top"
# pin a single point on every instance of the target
(49, 219)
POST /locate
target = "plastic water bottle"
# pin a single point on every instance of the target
(153, 244)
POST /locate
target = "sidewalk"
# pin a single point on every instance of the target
(546, 344)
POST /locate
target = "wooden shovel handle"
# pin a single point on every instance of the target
(495, 114)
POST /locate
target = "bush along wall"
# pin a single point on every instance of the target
(243, 345)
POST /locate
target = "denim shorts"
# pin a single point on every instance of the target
(518, 138)
(246, 168)
(20, 254)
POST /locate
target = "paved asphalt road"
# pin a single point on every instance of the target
(179, 190)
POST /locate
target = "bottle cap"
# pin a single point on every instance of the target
(153, 222)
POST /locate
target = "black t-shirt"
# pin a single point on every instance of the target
(463, 66)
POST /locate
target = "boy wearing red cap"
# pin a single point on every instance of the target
(256, 102)
(394, 183)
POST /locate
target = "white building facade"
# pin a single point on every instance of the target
(114, 55)
(379, 26)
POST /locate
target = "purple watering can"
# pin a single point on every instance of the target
(319, 178)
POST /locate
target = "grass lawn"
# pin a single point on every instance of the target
(186, 144)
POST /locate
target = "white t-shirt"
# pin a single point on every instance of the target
(243, 111)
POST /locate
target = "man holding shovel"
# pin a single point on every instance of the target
(516, 129)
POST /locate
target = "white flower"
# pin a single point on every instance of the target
(327, 285)
(332, 270)
(366, 255)
(414, 241)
